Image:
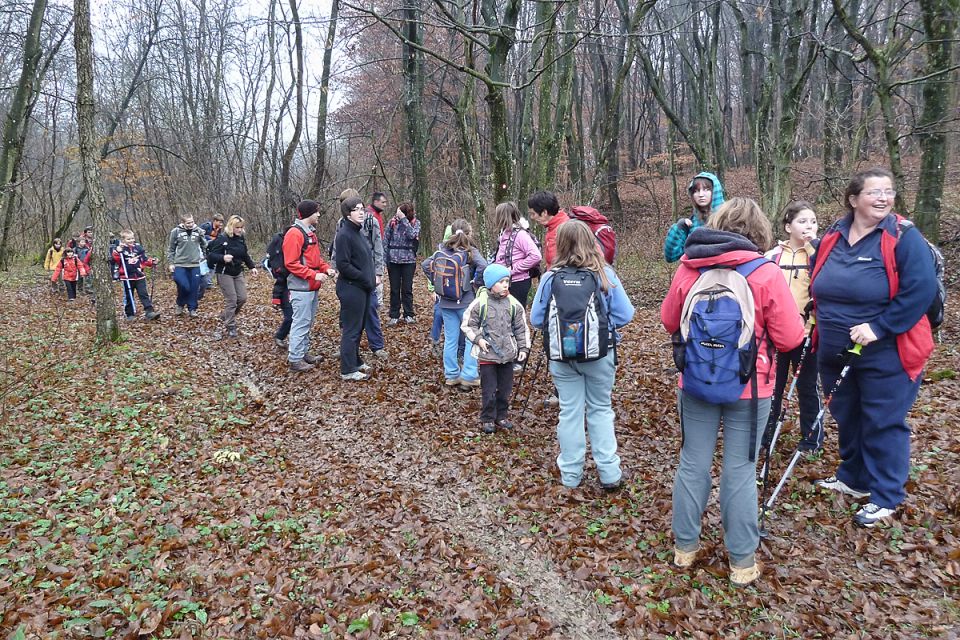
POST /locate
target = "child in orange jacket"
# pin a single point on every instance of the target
(72, 268)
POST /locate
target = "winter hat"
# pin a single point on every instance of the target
(349, 205)
(493, 274)
(307, 208)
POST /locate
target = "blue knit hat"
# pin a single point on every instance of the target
(493, 274)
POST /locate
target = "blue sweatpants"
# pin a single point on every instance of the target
(188, 286)
(870, 407)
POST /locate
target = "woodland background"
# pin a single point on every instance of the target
(246, 106)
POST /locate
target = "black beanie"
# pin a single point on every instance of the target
(348, 205)
(307, 208)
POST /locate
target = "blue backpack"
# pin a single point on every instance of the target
(450, 274)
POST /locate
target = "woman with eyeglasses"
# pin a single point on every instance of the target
(354, 263)
(226, 256)
(872, 282)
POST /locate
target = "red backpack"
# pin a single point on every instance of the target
(600, 226)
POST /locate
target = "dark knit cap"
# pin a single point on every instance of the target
(348, 205)
(307, 208)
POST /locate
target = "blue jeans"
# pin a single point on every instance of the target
(188, 286)
(584, 391)
(437, 322)
(304, 304)
(372, 324)
(452, 318)
(700, 424)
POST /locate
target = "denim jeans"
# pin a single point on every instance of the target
(304, 305)
(452, 318)
(437, 322)
(188, 286)
(372, 325)
(700, 423)
(584, 391)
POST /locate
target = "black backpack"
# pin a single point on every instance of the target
(274, 260)
(577, 327)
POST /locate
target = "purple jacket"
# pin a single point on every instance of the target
(525, 253)
(403, 238)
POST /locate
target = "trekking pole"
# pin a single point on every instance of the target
(855, 350)
(526, 361)
(125, 283)
(536, 372)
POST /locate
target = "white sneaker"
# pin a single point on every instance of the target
(364, 367)
(871, 514)
(356, 375)
(834, 484)
(392, 322)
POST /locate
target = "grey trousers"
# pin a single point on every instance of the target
(304, 305)
(234, 290)
(700, 422)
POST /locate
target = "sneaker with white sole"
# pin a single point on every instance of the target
(356, 375)
(835, 484)
(871, 514)
(684, 559)
(392, 322)
(365, 367)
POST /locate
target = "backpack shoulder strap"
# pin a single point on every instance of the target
(746, 268)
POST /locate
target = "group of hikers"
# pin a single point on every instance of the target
(854, 308)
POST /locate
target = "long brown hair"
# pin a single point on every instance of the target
(506, 215)
(461, 236)
(577, 247)
(743, 216)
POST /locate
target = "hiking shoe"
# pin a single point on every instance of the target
(231, 333)
(871, 514)
(410, 320)
(281, 344)
(365, 367)
(834, 484)
(392, 322)
(181, 310)
(743, 576)
(610, 487)
(452, 382)
(151, 315)
(488, 427)
(470, 384)
(300, 366)
(356, 375)
(551, 401)
(310, 359)
(381, 354)
(684, 559)
(194, 313)
(505, 424)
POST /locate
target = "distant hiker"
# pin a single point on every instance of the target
(454, 269)
(72, 268)
(378, 204)
(226, 256)
(356, 282)
(496, 324)
(86, 234)
(53, 256)
(740, 308)
(579, 305)
(185, 253)
(402, 244)
(544, 209)
(212, 229)
(131, 260)
(307, 272)
(872, 283)
(795, 257)
(517, 249)
(84, 252)
(706, 194)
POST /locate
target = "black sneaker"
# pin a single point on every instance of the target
(488, 427)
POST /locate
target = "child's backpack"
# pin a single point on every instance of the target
(600, 226)
(577, 327)
(535, 271)
(716, 346)
(935, 312)
(451, 278)
(274, 258)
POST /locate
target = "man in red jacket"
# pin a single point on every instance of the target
(308, 271)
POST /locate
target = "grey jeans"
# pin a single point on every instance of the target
(234, 290)
(700, 422)
(304, 305)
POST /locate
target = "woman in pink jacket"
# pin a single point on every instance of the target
(736, 234)
(517, 250)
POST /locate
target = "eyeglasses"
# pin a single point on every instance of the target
(876, 193)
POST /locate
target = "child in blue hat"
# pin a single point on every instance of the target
(496, 324)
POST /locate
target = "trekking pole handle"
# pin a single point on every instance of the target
(856, 349)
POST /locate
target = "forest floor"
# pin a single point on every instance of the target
(180, 485)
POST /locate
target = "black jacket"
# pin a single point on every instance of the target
(236, 246)
(354, 257)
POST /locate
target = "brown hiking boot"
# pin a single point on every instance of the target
(300, 366)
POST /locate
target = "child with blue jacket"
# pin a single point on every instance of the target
(585, 388)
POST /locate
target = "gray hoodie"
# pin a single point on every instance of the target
(187, 247)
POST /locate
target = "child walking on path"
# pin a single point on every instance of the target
(453, 269)
(795, 256)
(72, 268)
(582, 361)
(132, 259)
(496, 324)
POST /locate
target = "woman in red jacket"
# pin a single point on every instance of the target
(736, 234)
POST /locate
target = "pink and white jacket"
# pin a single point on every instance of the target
(518, 251)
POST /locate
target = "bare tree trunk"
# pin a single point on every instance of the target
(107, 328)
(272, 52)
(286, 193)
(17, 122)
(321, 169)
(413, 108)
